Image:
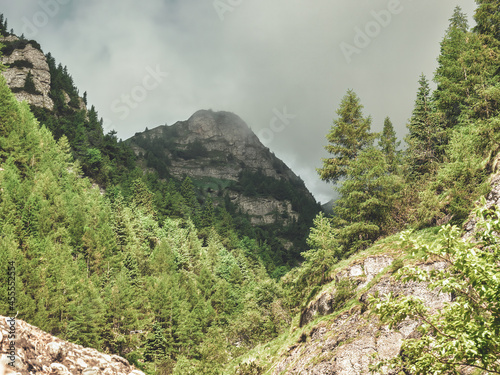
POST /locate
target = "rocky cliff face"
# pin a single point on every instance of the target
(225, 143)
(219, 146)
(22, 61)
(345, 343)
(37, 352)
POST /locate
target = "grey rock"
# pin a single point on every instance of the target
(16, 77)
(58, 369)
(41, 353)
(231, 147)
(91, 371)
(55, 350)
(345, 344)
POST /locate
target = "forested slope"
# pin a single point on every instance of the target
(103, 272)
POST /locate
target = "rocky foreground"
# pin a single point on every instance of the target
(37, 352)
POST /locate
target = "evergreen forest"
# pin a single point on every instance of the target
(149, 267)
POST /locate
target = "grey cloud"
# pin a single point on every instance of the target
(263, 56)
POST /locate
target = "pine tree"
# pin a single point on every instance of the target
(425, 135)
(207, 215)
(389, 143)
(367, 195)
(189, 195)
(3, 26)
(487, 18)
(156, 346)
(130, 263)
(349, 135)
(324, 250)
(29, 85)
(143, 198)
(451, 72)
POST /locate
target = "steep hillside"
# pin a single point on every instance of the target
(231, 170)
(100, 271)
(337, 330)
(223, 157)
(181, 249)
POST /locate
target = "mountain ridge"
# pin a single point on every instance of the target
(227, 161)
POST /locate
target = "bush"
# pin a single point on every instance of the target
(466, 332)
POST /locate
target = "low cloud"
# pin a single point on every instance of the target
(258, 57)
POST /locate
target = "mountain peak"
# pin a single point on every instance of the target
(206, 124)
(221, 147)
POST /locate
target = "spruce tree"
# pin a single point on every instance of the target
(189, 194)
(451, 72)
(207, 215)
(156, 346)
(389, 143)
(366, 199)
(487, 18)
(143, 198)
(425, 135)
(349, 135)
(29, 85)
(324, 251)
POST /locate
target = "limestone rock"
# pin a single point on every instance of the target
(38, 352)
(34, 61)
(345, 344)
(492, 200)
(361, 274)
(220, 145)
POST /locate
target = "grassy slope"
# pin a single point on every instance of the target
(268, 354)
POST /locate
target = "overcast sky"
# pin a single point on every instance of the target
(281, 65)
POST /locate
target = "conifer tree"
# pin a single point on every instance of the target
(130, 264)
(349, 135)
(189, 195)
(29, 85)
(156, 346)
(143, 198)
(425, 135)
(207, 215)
(324, 250)
(389, 143)
(367, 195)
(450, 74)
(487, 18)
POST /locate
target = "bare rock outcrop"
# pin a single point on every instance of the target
(24, 61)
(220, 146)
(265, 210)
(345, 344)
(37, 352)
(492, 200)
(360, 273)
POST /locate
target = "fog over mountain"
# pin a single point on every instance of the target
(282, 66)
